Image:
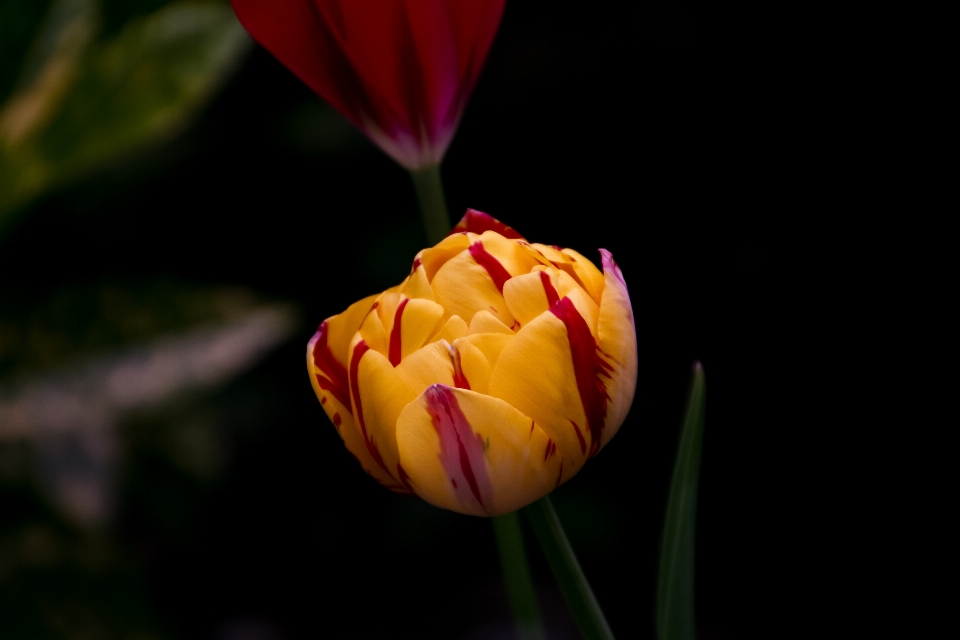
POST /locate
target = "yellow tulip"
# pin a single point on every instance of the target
(488, 377)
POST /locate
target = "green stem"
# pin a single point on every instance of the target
(516, 571)
(573, 584)
(433, 206)
(675, 585)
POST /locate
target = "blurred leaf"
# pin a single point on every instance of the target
(675, 619)
(19, 22)
(84, 105)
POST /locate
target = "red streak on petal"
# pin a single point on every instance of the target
(323, 400)
(608, 262)
(461, 451)
(583, 443)
(588, 368)
(477, 222)
(337, 421)
(459, 377)
(336, 374)
(395, 333)
(548, 450)
(498, 274)
(532, 423)
(416, 263)
(358, 352)
(548, 288)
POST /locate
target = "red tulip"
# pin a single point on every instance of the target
(400, 70)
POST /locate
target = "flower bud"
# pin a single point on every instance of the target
(488, 377)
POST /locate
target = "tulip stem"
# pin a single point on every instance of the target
(573, 584)
(433, 205)
(516, 572)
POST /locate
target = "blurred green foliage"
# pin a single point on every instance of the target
(84, 84)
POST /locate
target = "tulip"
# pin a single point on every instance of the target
(400, 70)
(486, 378)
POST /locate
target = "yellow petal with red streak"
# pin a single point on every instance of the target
(567, 287)
(342, 418)
(618, 345)
(382, 396)
(535, 374)
(463, 288)
(340, 328)
(418, 322)
(479, 352)
(514, 258)
(526, 296)
(373, 333)
(475, 454)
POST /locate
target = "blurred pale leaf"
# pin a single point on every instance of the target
(83, 104)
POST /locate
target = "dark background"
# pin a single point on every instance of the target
(679, 138)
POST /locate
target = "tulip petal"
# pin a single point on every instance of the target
(618, 345)
(568, 261)
(373, 333)
(477, 222)
(486, 322)
(327, 351)
(299, 37)
(433, 363)
(328, 376)
(567, 287)
(588, 274)
(437, 256)
(531, 294)
(463, 287)
(417, 285)
(536, 374)
(379, 394)
(475, 454)
(510, 254)
(478, 353)
(413, 322)
(454, 328)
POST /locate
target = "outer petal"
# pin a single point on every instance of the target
(535, 374)
(378, 394)
(618, 345)
(328, 346)
(475, 454)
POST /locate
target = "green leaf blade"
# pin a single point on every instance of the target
(675, 590)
